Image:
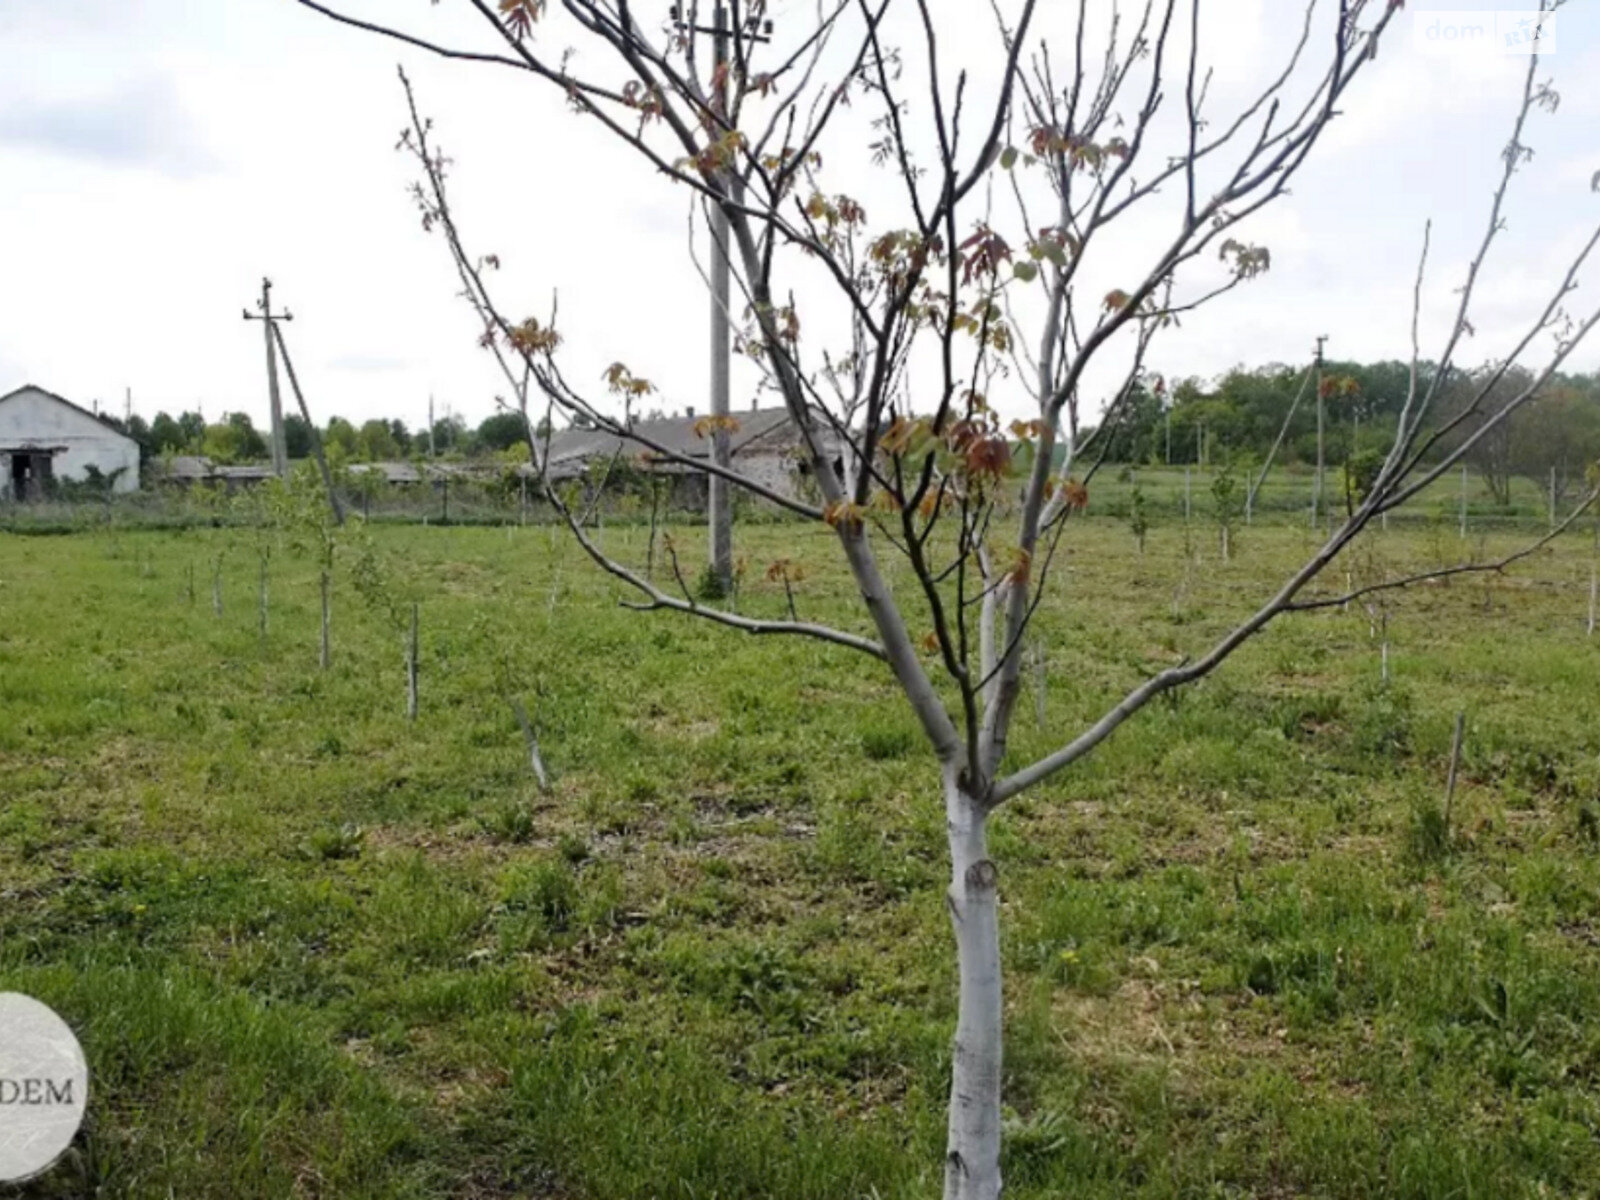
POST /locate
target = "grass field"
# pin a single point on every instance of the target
(314, 950)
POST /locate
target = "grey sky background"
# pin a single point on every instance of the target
(159, 156)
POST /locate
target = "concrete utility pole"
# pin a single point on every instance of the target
(432, 451)
(1316, 488)
(280, 447)
(720, 498)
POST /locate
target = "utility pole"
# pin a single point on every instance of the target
(720, 497)
(432, 450)
(280, 449)
(1316, 488)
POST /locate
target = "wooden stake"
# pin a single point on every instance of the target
(1594, 596)
(261, 600)
(655, 506)
(1040, 680)
(1463, 500)
(216, 587)
(325, 658)
(1385, 650)
(1455, 767)
(411, 666)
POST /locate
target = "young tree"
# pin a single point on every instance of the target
(884, 337)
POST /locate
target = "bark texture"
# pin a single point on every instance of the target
(972, 1155)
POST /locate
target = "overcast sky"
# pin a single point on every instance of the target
(160, 156)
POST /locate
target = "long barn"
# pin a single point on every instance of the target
(44, 438)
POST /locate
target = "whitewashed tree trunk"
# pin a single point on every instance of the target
(972, 1156)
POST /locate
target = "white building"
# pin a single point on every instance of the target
(45, 438)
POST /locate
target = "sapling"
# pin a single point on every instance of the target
(1138, 516)
(305, 516)
(1228, 504)
(377, 582)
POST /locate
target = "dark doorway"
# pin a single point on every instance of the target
(30, 475)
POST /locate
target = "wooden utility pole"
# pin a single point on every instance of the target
(280, 450)
(1316, 487)
(719, 492)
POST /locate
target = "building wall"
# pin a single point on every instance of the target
(34, 416)
(774, 469)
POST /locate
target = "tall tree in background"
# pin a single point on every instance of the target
(974, 265)
(297, 436)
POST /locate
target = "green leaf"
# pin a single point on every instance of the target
(1025, 271)
(1008, 158)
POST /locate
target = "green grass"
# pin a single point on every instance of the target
(314, 950)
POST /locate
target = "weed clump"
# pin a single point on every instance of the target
(343, 842)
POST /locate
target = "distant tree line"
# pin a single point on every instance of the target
(235, 438)
(1241, 415)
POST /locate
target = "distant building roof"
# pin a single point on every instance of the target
(192, 468)
(189, 466)
(392, 472)
(571, 448)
